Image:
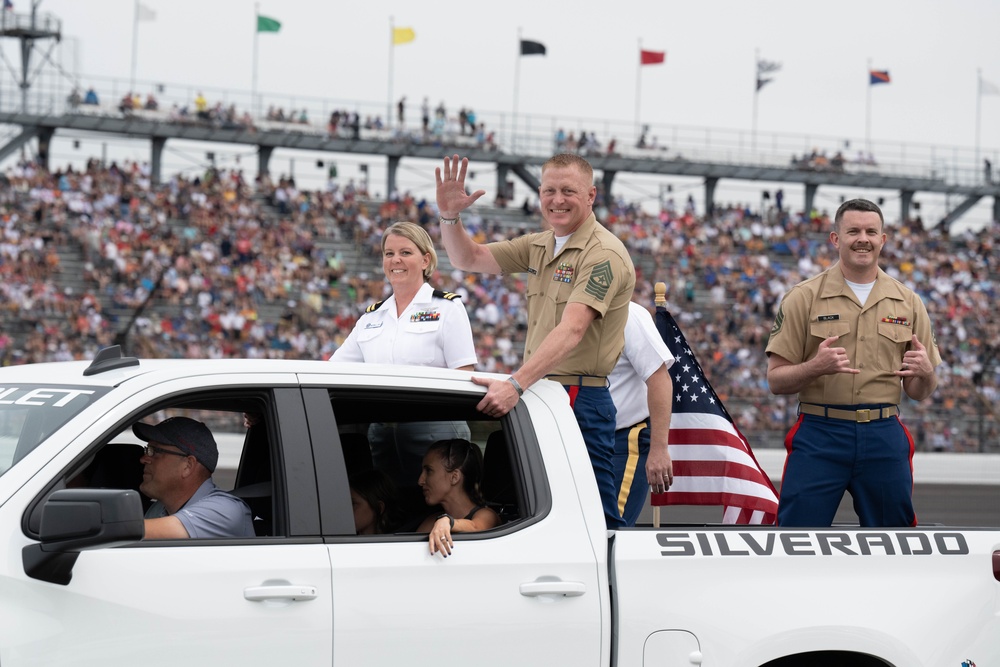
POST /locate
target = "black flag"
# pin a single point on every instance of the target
(529, 48)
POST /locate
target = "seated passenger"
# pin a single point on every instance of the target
(375, 502)
(177, 473)
(450, 479)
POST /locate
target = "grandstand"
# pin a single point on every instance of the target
(212, 262)
(212, 266)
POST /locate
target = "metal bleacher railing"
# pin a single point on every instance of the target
(527, 134)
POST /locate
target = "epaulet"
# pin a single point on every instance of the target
(375, 306)
(446, 295)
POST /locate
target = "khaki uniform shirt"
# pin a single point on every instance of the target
(593, 269)
(875, 335)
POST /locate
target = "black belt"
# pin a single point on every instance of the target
(860, 416)
(579, 380)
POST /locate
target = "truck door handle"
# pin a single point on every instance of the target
(282, 592)
(568, 589)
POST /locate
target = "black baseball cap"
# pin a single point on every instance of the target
(188, 435)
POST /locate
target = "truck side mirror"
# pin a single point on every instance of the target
(77, 519)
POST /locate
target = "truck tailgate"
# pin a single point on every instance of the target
(744, 595)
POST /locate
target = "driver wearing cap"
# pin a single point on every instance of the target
(178, 463)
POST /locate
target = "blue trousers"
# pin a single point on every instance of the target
(826, 457)
(595, 413)
(631, 451)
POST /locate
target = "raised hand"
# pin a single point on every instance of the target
(452, 198)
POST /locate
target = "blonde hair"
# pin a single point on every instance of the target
(420, 238)
(570, 160)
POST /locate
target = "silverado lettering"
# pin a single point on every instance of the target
(813, 543)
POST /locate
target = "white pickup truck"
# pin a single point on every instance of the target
(550, 586)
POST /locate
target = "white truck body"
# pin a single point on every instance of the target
(551, 586)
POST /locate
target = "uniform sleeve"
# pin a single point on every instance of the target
(350, 350)
(513, 255)
(217, 515)
(644, 346)
(459, 348)
(602, 276)
(924, 331)
(789, 328)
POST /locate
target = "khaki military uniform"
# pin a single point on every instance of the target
(849, 437)
(875, 335)
(594, 269)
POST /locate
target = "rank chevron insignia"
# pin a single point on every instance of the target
(600, 281)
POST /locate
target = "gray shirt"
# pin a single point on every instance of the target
(210, 512)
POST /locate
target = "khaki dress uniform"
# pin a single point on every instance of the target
(848, 435)
(595, 269)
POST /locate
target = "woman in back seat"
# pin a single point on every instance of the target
(450, 478)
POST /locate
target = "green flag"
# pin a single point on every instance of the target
(267, 24)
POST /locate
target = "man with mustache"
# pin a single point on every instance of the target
(848, 341)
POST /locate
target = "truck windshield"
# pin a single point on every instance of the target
(30, 413)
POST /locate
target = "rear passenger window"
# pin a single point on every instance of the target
(384, 438)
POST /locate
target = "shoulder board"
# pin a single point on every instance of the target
(446, 295)
(375, 306)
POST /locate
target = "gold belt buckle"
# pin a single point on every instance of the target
(863, 416)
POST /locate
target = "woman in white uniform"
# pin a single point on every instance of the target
(417, 326)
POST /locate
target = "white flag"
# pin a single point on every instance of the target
(988, 88)
(144, 13)
(766, 66)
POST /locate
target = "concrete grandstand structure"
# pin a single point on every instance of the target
(133, 253)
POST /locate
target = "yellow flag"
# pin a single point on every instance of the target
(403, 35)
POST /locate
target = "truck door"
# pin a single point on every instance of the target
(247, 601)
(526, 593)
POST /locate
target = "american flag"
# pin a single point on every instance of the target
(713, 462)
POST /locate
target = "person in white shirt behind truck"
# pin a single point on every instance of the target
(641, 389)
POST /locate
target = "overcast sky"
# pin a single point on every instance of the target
(465, 53)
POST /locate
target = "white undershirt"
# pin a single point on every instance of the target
(560, 242)
(861, 290)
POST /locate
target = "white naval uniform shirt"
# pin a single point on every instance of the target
(644, 353)
(430, 332)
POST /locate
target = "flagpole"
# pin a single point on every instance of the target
(979, 104)
(392, 49)
(659, 300)
(517, 84)
(868, 112)
(135, 46)
(756, 93)
(638, 89)
(254, 102)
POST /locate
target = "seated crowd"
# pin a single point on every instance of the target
(239, 268)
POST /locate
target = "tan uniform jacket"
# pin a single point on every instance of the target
(875, 335)
(593, 269)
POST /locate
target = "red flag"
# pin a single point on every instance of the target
(713, 462)
(651, 57)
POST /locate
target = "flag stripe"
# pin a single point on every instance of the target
(712, 461)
